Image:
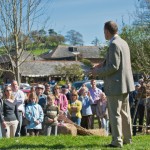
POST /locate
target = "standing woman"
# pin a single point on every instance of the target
(9, 113)
(60, 100)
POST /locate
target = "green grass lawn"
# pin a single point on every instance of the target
(70, 142)
(39, 51)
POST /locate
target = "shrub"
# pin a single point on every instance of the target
(87, 62)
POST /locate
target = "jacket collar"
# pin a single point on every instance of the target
(114, 37)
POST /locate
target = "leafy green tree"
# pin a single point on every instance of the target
(138, 38)
(74, 37)
(87, 62)
(103, 50)
(73, 72)
(42, 33)
(52, 32)
(142, 14)
(54, 40)
(138, 41)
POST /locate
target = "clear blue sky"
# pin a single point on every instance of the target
(88, 16)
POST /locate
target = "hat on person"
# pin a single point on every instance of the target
(64, 87)
(40, 86)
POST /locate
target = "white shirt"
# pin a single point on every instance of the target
(19, 98)
(113, 38)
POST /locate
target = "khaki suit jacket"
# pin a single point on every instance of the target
(117, 73)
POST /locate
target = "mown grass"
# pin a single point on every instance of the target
(70, 142)
(39, 51)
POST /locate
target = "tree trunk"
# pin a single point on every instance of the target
(17, 70)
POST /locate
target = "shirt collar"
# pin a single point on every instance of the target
(113, 38)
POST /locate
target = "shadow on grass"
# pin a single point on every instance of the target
(56, 146)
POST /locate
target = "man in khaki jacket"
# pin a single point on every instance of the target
(118, 82)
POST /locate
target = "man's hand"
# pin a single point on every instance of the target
(95, 67)
(98, 65)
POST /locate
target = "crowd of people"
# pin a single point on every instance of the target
(38, 111)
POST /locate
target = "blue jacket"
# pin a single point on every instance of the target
(34, 112)
(86, 105)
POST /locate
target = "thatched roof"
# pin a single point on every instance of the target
(4, 59)
(46, 68)
(63, 52)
